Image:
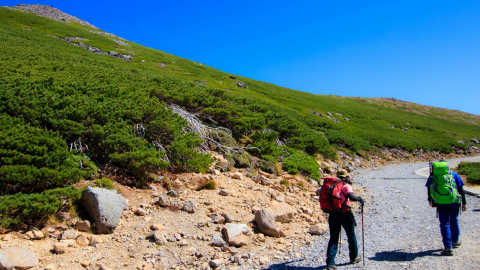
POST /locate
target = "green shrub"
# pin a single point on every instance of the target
(104, 183)
(270, 158)
(141, 162)
(471, 170)
(210, 185)
(342, 139)
(300, 162)
(29, 209)
(285, 183)
(266, 144)
(185, 156)
(267, 166)
(242, 160)
(34, 159)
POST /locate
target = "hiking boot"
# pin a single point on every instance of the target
(330, 267)
(456, 245)
(447, 252)
(357, 260)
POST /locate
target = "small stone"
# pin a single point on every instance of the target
(217, 240)
(264, 260)
(172, 193)
(216, 218)
(237, 176)
(238, 259)
(159, 238)
(318, 229)
(84, 263)
(215, 263)
(141, 212)
(157, 227)
(182, 243)
(96, 239)
(223, 192)
(231, 250)
(59, 248)
(228, 218)
(188, 207)
(29, 234)
(83, 225)
(82, 241)
(280, 247)
(69, 234)
(61, 227)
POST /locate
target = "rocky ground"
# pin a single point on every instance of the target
(193, 229)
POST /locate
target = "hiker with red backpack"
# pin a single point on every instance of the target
(335, 197)
(445, 191)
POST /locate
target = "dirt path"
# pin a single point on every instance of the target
(401, 230)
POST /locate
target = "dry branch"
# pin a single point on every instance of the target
(210, 136)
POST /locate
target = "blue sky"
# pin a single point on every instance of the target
(426, 52)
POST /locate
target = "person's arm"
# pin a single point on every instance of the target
(462, 192)
(354, 198)
(429, 195)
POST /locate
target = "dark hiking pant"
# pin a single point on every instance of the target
(449, 227)
(335, 222)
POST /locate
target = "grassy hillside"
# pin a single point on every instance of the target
(65, 111)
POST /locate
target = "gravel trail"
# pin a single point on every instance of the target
(401, 230)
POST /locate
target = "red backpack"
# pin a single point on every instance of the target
(330, 196)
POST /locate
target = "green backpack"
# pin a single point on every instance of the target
(443, 189)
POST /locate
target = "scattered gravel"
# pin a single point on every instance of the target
(401, 230)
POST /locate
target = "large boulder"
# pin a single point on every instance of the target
(17, 258)
(104, 206)
(284, 213)
(237, 234)
(265, 220)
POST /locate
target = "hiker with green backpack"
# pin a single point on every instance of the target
(445, 191)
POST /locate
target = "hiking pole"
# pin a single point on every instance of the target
(363, 239)
(340, 241)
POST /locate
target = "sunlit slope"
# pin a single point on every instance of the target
(33, 56)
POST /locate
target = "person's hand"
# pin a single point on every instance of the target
(430, 203)
(362, 202)
(464, 207)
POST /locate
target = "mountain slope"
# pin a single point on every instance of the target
(74, 99)
(368, 121)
